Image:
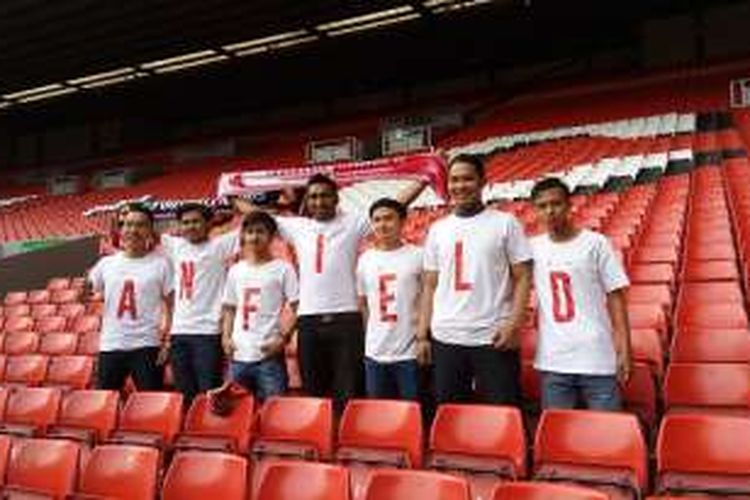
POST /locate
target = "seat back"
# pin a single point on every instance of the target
(300, 420)
(71, 310)
(21, 343)
(545, 491)
(121, 471)
(65, 296)
(86, 324)
(415, 485)
(303, 481)
(47, 466)
(70, 371)
(153, 413)
(28, 369)
(18, 324)
(39, 311)
(51, 324)
(708, 385)
(592, 438)
(58, 344)
(728, 345)
(93, 409)
(58, 283)
(481, 431)
(237, 426)
(196, 475)
(33, 406)
(718, 315)
(14, 298)
(38, 297)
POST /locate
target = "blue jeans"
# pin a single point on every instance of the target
(263, 378)
(398, 380)
(563, 390)
(196, 364)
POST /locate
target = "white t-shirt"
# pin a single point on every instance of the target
(327, 258)
(134, 291)
(472, 256)
(259, 294)
(199, 270)
(390, 281)
(572, 280)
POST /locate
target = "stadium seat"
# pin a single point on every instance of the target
(15, 298)
(715, 316)
(120, 472)
(701, 345)
(51, 324)
(70, 372)
(651, 294)
(65, 296)
(197, 475)
(657, 274)
(31, 410)
(43, 310)
(647, 348)
(27, 369)
(708, 387)
(71, 310)
(88, 415)
(544, 491)
(640, 394)
(94, 308)
(4, 394)
(59, 283)
(486, 444)
(46, 467)
(712, 270)
(86, 324)
(415, 485)
(599, 449)
(150, 418)
(304, 481)
(88, 344)
(206, 430)
(6, 442)
(295, 427)
(36, 297)
(58, 344)
(649, 317)
(702, 454)
(18, 324)
(656, 255)
(711, 251)
(21, 343)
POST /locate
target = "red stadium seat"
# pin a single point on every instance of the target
(640, 394)
(43, 467)
(71, 310)
(21, 343)
(120, 471)
(6, 443)
(51, 324)
(702, 454)
(647, 349)
(651, 294)
(652, 274)
(86, 324)
(17, 324)
(206, 430)
(70, 372)
(486, 444)
(649, 317)
(415, 485)
(58, 344)
(4, 394)
(88, 416)
(65, 296)
(196, 475)
(35, 297)
(601, 449)
(545, 491)
(15, 298)
(43, 310)
(711, 346)
(656, 255)
(17, 310)
(60, 283)
(304, 481)
(88, 344)
(711, 251)
(28, 369)
(30, 410)
(295, 426)
(712, 270)
(95, 308)
(713, 316)
(708, 387)
(150, 418)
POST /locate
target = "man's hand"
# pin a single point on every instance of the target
(624, 368)
(424, 351)
(507, 337)
(273, 346)
(228, 345)
(163, 356)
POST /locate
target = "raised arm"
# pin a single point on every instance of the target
(410, 193)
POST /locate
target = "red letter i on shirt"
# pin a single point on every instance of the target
(187, 278)
(460, 284)
(319, 247)
(127, 300)
(250, 304)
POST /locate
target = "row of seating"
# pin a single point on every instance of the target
(69, 371)
(50, 344)
(45, 296)
(79, 324)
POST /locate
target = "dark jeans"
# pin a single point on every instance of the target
(460, 371)
(396, 380)
(116, 366)
(196, 363)
(263, 378)
(331, 354)
(597, 392)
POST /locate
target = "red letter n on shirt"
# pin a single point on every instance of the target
(250, 305)
(127, 300)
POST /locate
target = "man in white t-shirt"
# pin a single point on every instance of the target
(258, 287)
(389, 279)
(584, 336)
(200, 264)
(137, 287)
(326, 243)
(476, 286)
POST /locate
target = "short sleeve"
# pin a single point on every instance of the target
(431, 257)
(611, 270)
(228, 244)
(96, 276)
(167, 278)
(229, 297)
(291, 284)
(516, 244)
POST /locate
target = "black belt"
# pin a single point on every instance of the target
(326, 318)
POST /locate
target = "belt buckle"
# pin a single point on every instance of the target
(326, 318)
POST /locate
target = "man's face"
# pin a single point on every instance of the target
(256, 238)
(552, 208)
(464, 185)
(386, 224)
(194, 226)
(321, 201)
(137, 232)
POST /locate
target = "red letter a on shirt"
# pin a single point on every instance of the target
(127, 300)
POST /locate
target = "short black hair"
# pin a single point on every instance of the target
(323, 179)
(141, 209)
(473, 160)
(547, 184)
(260, 218)
(394, 205)
(204, 210)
